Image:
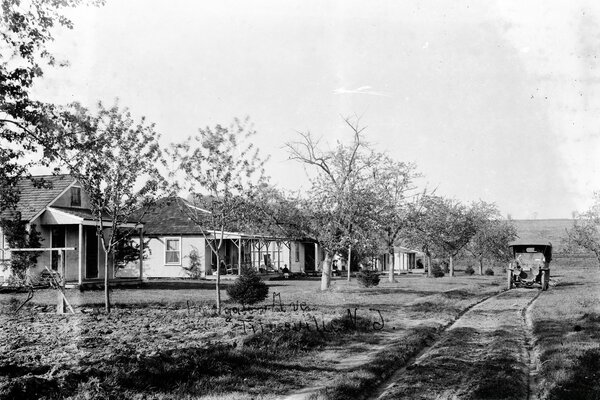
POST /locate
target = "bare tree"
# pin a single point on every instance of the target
(336, 190)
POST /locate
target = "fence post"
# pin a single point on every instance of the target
(61, 305)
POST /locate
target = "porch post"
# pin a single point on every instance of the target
(240, 257)
(259, 256)
(278, 255)
(268, 251)
(80, 251)
(61, 306)
(289, 246)
(316, 256)
(141, 254)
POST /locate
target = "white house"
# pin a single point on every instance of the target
(58, 207)
(174, 240)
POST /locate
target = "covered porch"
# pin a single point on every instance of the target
(265, 254)
(76, 228)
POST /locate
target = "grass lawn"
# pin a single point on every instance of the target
(566, 322)
(167, 342)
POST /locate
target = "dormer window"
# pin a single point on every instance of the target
(75, 197)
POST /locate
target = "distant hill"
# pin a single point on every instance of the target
(552, 230)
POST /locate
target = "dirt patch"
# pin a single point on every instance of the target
(174, 333)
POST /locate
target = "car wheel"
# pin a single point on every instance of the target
(545, 280)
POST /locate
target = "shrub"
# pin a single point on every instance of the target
(446, 267)
(489, 271)
(194, 269)
(436, 271)
(17, 236)
(469, 270)
(367, 278)
(248, 288)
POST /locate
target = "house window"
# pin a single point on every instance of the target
(75, 197)
(297, 252)
(173, 251)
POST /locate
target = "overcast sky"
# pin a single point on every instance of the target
(494, 100)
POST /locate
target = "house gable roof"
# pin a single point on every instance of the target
(36, 193)
(166, 218)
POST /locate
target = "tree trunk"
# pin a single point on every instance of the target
(429, 265)
(349, 260)
(326, 275)
(451, 265)
(218, 284)
(391, 276)
(106, 287)
(480, 265)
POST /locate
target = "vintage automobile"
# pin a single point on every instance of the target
(530, 264)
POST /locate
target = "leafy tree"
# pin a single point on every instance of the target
(422, 226)
(27, 125)
(341, 204)
(127, 248)
(393, 180)
(18, 236)
(221, 170)
(444, 226)
(493, 235)
(278, 213)
(585, 233)
(115, 161)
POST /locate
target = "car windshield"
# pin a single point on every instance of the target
(530, 258)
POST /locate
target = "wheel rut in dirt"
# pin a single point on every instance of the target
(486, 353)
(533, 356)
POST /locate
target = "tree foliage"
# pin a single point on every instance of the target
(278, 213)
(27, 126)
(393, 182)
(585, 233)
(194, 268)
(342, 202)
(493, 235)
(442, 226)
(127, 248)
(18, 236)
(221, 169)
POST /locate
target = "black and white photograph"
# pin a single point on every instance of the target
(299, 200)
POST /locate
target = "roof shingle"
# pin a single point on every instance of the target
(36, 193)
(167, 218)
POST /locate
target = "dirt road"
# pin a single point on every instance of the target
(486, 353)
